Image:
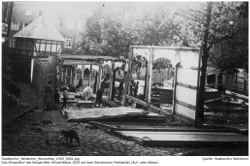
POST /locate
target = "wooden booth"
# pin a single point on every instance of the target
(86, 71)
(168, 79)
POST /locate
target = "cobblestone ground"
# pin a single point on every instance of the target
(18, 140)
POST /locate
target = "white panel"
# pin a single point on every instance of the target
(187, 76)
(54, 48)
(186, 95)
(42, 47)
(37, 46)
(189, 58)
(48, 47)
(179, 109)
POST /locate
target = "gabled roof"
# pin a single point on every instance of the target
(40, 28)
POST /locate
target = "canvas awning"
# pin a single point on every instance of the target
(40, 28)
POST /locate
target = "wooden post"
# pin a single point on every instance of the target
(245, 87)
(99, 79)
(174, 90)
(146, 82)
(197, 111)
(235, 86)
(83, 67)
(149, 75)
(66, 73)
(111, 88)
(90, 75)
(216, 81)
(71, 77)
(31, 70)
(124, 100)
(60, 72)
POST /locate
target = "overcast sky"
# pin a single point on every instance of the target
(85, 8)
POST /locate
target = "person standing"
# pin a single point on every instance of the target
(56, 99)
(120, 88)
(99, 97)
(65, 98)
(131, 87)
(48, 96)
(136, 89)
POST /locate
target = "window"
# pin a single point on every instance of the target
(12, 42)
(25, 24)
(15, 26)
(28, 12)
(69, 42)
(70, 23)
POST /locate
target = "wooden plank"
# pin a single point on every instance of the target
(185, 104)
(102, 113)
(236, 94)
(149, 75)
(191, 67)
(201, 138)
(186, 85)
(198, 90)
(166, 48)
(137, 101)
(174, 90)
(147, 105)
(80, 63)
(217, 99)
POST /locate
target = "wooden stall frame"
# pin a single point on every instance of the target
(90, 60)
(175, 101)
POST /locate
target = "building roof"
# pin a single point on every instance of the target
(40, 28)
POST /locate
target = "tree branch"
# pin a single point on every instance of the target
(218, 40)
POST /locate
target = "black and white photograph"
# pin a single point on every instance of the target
(124, 78)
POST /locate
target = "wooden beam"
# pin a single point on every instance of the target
(147, 105)
(100, 76)
(124, 100)
(198, 90)
(186, 85)
(149, 75)
(51, 46)
(165, 48)
(185, 104)
(83, 67)
(143, 103)
(90, 75)
(39, 45)
(111, 79)
(71, 77)
(45, 45)
(191, 67)
(79, 63)
(174, 90)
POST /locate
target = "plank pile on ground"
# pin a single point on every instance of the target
(86, 114)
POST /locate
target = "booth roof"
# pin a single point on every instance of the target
(89, 57)
(40, 28)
